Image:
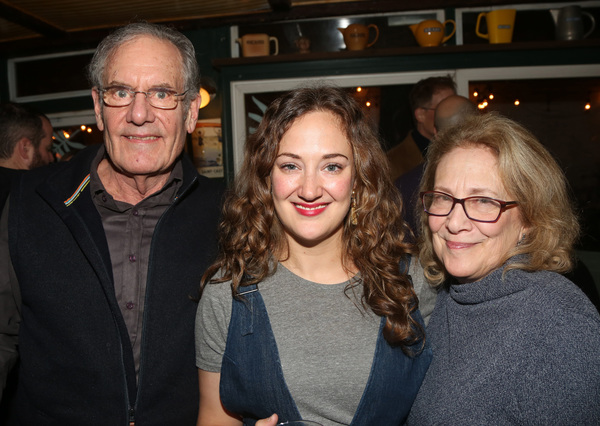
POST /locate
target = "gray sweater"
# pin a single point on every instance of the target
(523, 351)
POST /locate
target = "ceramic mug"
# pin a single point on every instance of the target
(258, 45)
(356, 36)
(500, 23)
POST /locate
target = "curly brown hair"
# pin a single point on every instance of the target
(251, 234)
(530, 175)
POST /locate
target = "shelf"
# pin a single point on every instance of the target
(407, 51)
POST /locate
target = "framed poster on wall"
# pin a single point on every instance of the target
(206, 148)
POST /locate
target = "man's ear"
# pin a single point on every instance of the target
(192, 115)
(420, 114)
(98, 109)
(24, 152)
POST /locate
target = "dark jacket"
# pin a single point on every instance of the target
(77, 365)
(6, 175)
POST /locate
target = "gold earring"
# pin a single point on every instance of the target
(353, 219)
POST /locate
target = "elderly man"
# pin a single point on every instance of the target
(108, 249)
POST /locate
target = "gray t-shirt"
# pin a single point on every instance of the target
(326, 341)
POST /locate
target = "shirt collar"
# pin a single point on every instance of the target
(102, 197)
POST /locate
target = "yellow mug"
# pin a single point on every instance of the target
(500, 23)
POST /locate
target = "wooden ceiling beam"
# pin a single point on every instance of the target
(344, 8)
(56, 37)
(16, 15)
(280, 5)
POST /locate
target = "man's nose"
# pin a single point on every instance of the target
(140, 110)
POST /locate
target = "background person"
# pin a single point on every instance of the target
(25, 138)
(449, 112)
(25, 143)
(424, 97)
(122, 234)
(514, 342)
(311, 241)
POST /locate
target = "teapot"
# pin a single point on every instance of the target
(356, 36)
(569, 23)
(430, 32)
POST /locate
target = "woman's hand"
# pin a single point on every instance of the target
(271, 421)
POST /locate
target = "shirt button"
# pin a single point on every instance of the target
(129, 305)
(104, 198)
(132, 258)
(136, 212)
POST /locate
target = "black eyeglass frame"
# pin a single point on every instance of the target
(503, 205)
(135, 92)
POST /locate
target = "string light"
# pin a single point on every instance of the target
(482, 101)
(481, 104)
(359, 89)
(368, 104)
(83, 127)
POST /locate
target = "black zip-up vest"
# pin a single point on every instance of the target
(76, 360)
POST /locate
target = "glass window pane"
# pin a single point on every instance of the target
(555, 111)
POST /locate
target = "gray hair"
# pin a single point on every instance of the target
(108, 46)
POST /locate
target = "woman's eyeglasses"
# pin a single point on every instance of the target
(479, 209)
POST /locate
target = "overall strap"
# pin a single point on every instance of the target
(405, 264)
(252, 382)
(393, 383)
(395, 377)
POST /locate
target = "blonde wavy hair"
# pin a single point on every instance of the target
(530, 175)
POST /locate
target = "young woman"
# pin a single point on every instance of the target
(308, 311)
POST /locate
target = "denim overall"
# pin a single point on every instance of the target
(252, 383)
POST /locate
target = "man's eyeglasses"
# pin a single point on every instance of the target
(159, 98)
(479, 209)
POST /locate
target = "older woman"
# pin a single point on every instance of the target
(309, 314)
(514, 342)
